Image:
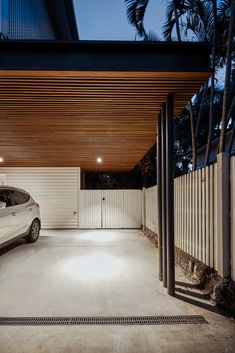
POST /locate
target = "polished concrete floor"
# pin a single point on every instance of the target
(105, 273)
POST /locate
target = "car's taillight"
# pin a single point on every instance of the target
(37, 204)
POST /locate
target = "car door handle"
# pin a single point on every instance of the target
(13, 214)
(30, 210)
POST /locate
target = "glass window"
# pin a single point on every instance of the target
(18, 198)
(5, 196)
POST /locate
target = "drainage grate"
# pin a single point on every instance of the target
(126, 320)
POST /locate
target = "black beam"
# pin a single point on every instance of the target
(163, 195)
(170, 194)
(104, 56)
(63, 19)
(159, 193)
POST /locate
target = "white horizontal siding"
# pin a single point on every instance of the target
(55, 189)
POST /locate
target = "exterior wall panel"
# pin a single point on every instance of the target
(25, 19)
(55, 189)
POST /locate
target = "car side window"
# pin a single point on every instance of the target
(19, 198)
(5, 196)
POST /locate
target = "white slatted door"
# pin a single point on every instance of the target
(132, 212)
(109, 209)
(112, 208)
(90, 209)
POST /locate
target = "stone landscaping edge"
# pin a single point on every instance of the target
(220, 290)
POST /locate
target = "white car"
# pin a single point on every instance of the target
(19, 216)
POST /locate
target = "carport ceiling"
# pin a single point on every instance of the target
(65, 104)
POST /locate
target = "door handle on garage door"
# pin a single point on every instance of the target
(13, 214)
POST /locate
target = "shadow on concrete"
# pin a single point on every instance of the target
(6, 249)
(192, 294)
(185, 284)
(200, 304)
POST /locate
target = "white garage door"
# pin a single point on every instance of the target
(55, 189)
(109, 209)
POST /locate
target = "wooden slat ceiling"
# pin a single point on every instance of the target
(69, 118)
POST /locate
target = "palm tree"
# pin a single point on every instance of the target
(203, 91)
(136, 10)
(208, 22)
(213, 64)
(226, 100)
(194, 152)
(196, 20)
(175, 9)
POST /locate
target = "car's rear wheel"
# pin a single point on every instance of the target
(34, 232)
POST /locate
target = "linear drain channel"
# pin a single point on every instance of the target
(126, 320)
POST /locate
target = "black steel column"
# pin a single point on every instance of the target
(163, 195)
(170, 194)
(159, 193)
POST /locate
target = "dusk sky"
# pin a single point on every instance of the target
(106, 19)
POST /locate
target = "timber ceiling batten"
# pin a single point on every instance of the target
(68, 118)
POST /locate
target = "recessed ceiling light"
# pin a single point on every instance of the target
(99, 160)
(1, 160)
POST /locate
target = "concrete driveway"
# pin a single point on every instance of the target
(100, 273)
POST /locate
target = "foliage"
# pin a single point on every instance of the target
(197, 20)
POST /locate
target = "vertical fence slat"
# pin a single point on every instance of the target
(215, 220)
(196, 214)
(190, 214)
(233, 218)
(207, 216)
(175, 208)
(211, 234)
(203, 217)
(181, 215)
(193, 210)
(188, 210)
(185, 213)
(176, 211)
(200, 215)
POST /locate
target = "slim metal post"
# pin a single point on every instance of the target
(163, 195)
(170, 195)
(159, 193)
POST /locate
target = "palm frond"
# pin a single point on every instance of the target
(135, 10)
(224, 7)
(152, 37)
(167, 29)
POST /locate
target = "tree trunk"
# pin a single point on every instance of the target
(226, 99)
(231, 139)
(211, 114)
(177, 21)
(205, 89)
(194, 152)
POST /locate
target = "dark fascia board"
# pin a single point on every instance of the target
(104, 56)
(63, 19)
